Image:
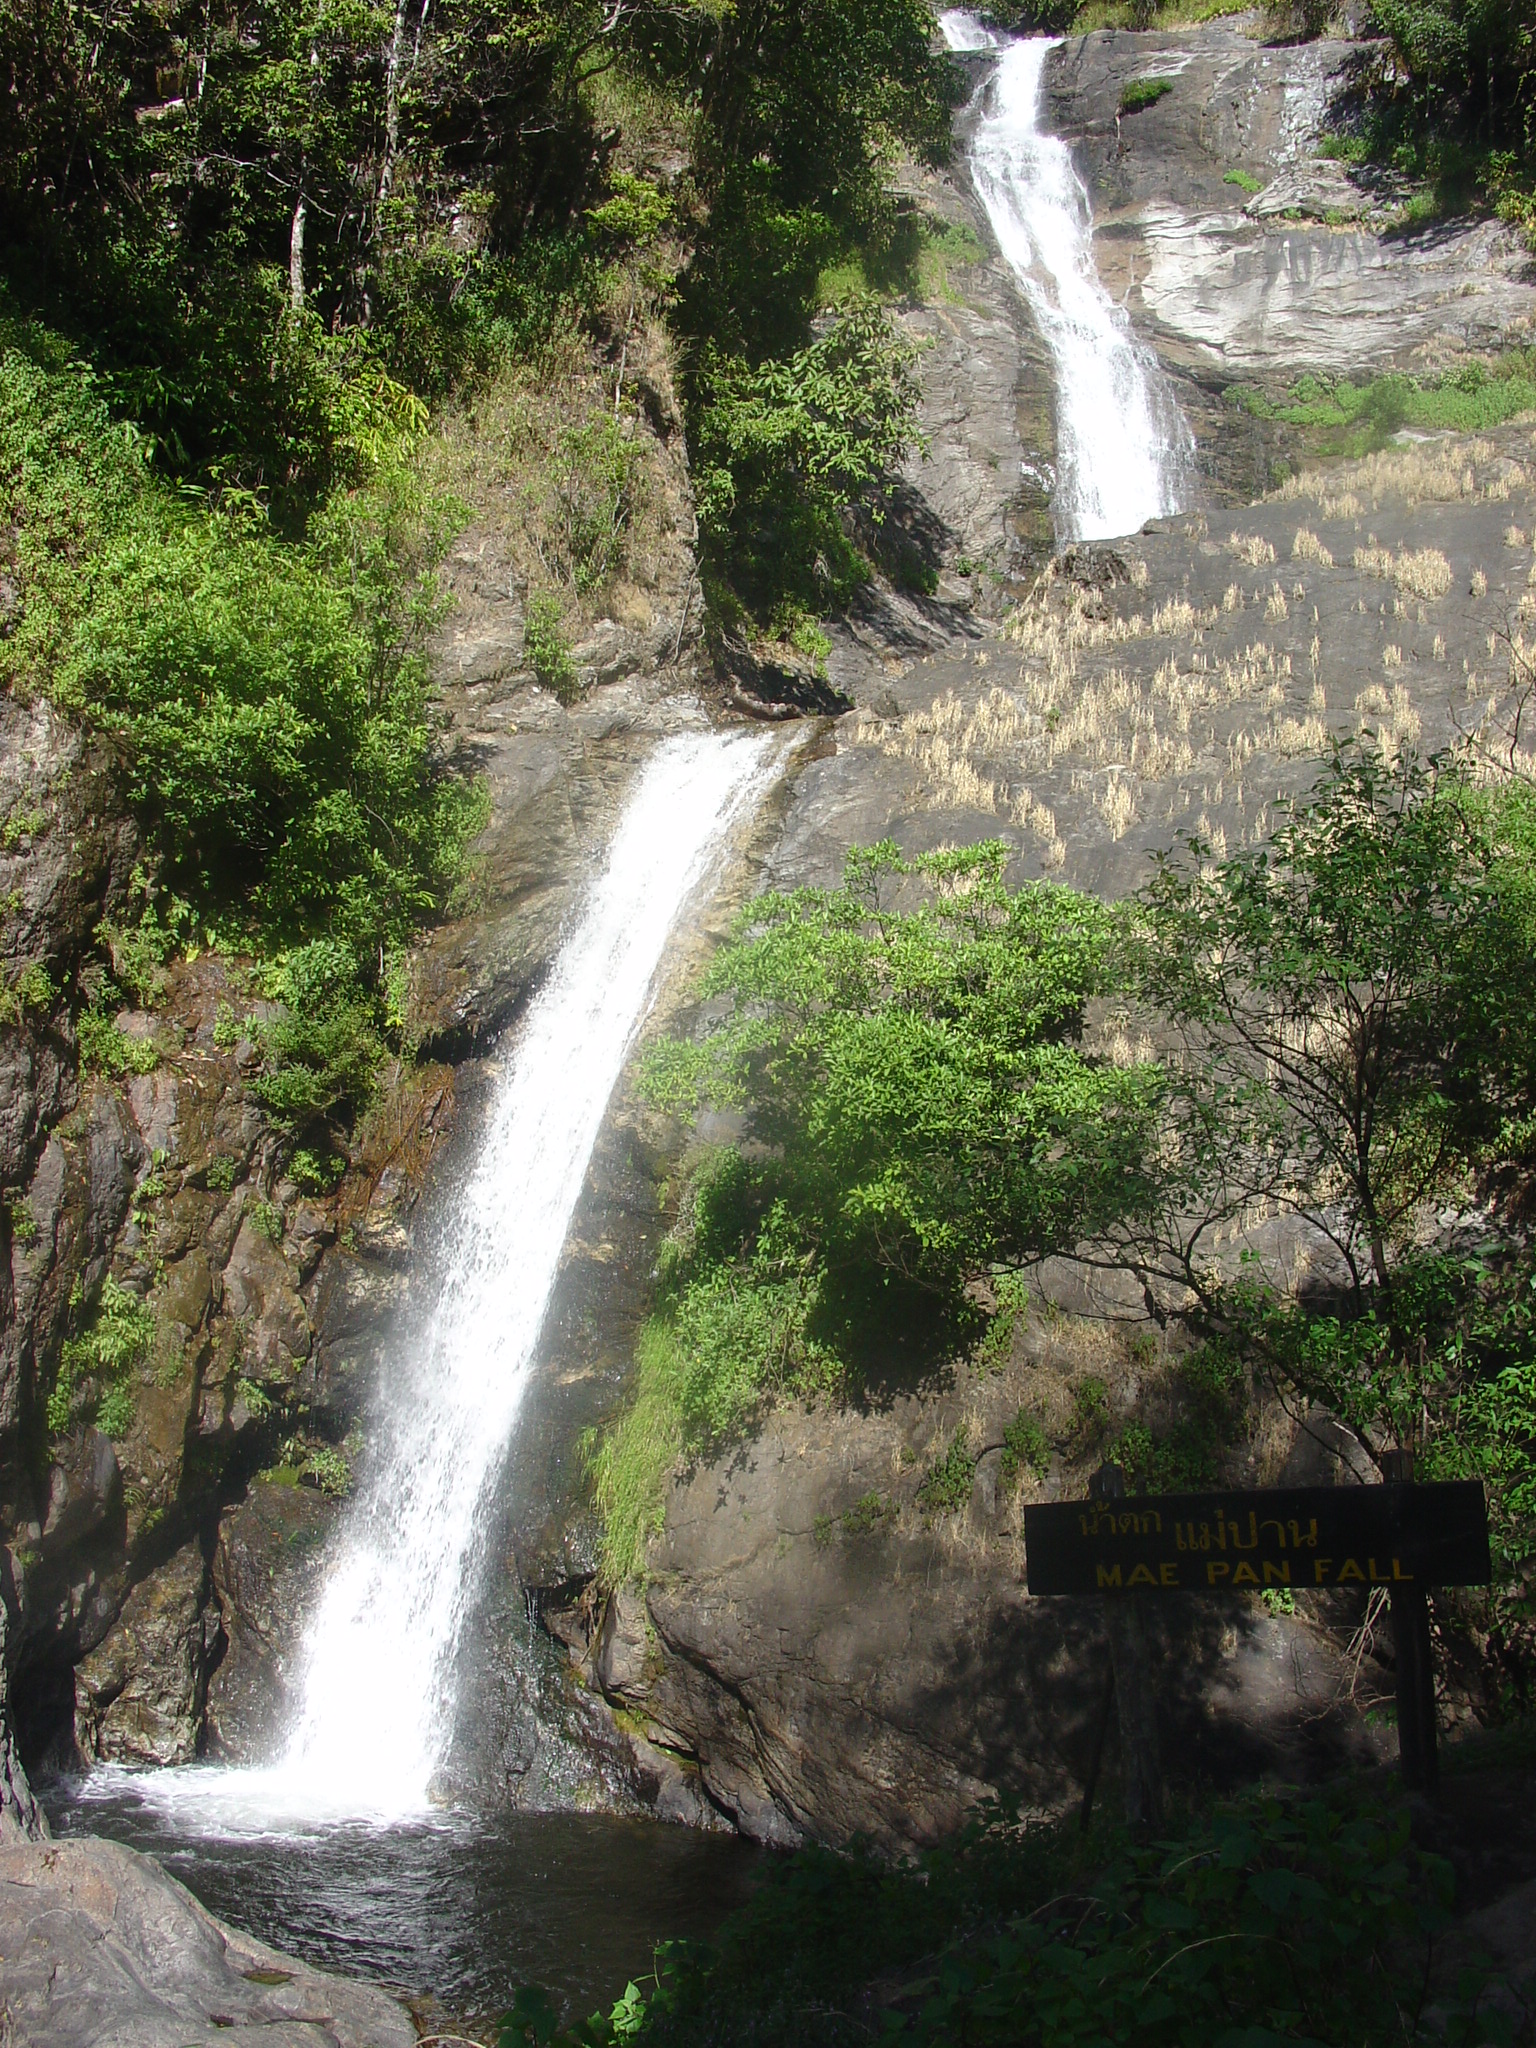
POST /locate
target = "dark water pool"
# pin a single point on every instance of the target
(462, 1910)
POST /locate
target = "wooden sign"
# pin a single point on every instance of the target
(1297, 1537)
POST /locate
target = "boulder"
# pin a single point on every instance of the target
(139, 1695)
(103, 1950)
(266, 1570)
(21, 1818)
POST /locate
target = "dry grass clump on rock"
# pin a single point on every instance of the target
(1452, 471)
(1306, 547)
(1421, 572)
(1253, 549)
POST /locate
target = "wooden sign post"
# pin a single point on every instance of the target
(1399, 1535)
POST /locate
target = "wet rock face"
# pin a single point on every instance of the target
(66, 852)
(267, 1571)
(139, 1695)
(101, 1945)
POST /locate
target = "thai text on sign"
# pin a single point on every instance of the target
(1295, 1537)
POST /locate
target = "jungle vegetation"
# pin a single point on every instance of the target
(254, 258)
(1334, 1030)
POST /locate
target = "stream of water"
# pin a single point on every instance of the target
(375, 1689)
(1124, 451)
(336, 1849)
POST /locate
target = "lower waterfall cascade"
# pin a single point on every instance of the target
(374, 1679)
(1125, 453)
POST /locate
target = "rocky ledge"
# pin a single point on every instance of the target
(99, 1948)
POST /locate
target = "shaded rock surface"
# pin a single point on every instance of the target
(99, 1948)
(139, 1695)
(267, 1570)
(830, 1659)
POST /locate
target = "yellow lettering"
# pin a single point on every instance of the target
(1141, 1577)
(1350, 1570)
(1277, 1574)
(1169, 1574)
(1320, 1569)
(1109, 1574)
(1216, 1572)
(1397, 1569)
(1245, 1575)
(1377, 1578)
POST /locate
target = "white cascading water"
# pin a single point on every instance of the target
(375, 1684)
(1124, 451)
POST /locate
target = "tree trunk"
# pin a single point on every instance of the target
(392, 103)
(296, 255)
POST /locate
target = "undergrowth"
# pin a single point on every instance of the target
(1276, 1918)
(1347, 419)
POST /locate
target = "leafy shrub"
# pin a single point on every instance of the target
(1278, 1918)
(321, 1049)
(547, 650)
(596, 469)
(868, 1513)
(94, 1380)
(107, 1050)
(269, 700)
(782, 450)
(316, 1172)
(946, 1488)
(1025, 1449)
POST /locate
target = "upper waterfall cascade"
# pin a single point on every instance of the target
(1124, 451)
(376, 1672)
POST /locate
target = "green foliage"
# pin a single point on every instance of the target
(918, 1112)
(1345, 418)
(547, 650)
(330, 1470)
(914, 1071)
(1357, 1055)
(316, 1172)
(1144, 92)
(321, 1048)
(29, 989)
(946, 1487)
(782, 450)
(730, 1336)
(1244, 181)
(97, 1367)
(596, 472)
(1454, 102)
(268, 1219)
(1090, 1413)
(1278, 1918)
(256, 1399)
(106, 1050)
(1211, 1388)
(269, 700)
(868, 1513)
(1354, 1048)
(1025, 1449)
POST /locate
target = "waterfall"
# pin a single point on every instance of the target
(1124, 452)
(376, 1705)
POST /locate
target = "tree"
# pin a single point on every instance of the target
(918, 1102)
(1354, 1054)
